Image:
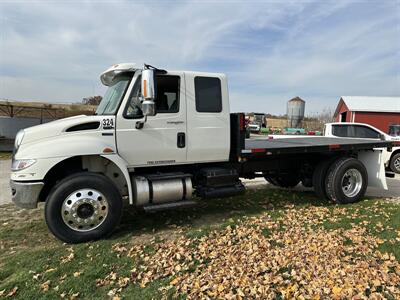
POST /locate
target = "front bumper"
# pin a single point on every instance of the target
(25, 194)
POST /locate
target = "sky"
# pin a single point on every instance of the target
(272, 51)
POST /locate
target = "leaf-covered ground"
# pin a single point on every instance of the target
(5, 155)
(266, 244)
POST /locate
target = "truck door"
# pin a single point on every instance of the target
(162, 140)
(208, 117)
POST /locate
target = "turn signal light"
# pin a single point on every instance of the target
(108, 150)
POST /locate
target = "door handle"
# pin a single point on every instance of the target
(181, 140)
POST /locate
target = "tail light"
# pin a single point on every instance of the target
(242, 123)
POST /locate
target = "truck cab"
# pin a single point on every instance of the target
(189, 123)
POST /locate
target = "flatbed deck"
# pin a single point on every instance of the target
(293, 145)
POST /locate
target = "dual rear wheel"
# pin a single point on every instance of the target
(342, 180)
(395, 163)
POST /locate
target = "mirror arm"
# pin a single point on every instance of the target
(140, 124)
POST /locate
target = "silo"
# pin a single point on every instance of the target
(295, 112)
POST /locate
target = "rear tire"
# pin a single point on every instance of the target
(395, 163)
(347, 181)
(319, 177)
(83, 207)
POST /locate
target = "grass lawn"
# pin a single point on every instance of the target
(270, 243)
(5, 155)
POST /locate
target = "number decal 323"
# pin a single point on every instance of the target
(108, 123)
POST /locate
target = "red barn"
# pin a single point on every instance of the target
(379, 112)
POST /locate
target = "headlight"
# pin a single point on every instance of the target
(20, 164)
(18, 138)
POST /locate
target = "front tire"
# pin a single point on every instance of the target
(395, 163)
(83, 207)
(347, 181)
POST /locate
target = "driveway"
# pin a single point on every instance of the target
(393, 184)
(5, 193)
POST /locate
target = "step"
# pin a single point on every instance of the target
(167, 206)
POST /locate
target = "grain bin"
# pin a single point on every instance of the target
(295, 112)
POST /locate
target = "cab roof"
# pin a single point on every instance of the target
(108, 75)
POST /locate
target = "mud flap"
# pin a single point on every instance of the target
(375, 165)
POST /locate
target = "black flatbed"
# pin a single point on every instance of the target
(293, 145)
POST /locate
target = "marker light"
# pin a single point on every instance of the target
(20, 164)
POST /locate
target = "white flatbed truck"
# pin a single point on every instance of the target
(366, 131)
(158, 139)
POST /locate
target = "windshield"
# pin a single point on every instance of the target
(114, 94)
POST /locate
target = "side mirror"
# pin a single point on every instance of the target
(148, 96)
(148, 108)
(148, 92)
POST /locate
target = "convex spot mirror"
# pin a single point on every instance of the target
(148, 93)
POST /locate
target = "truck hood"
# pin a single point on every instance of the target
(76, 124)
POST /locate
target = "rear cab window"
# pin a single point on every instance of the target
(208, 94)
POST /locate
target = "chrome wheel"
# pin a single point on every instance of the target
(352, 182)
(396, 164)
(84, 210)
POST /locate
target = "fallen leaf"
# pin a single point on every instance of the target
(45, 285)
(77, 274)
(12, 292)
(50, 270)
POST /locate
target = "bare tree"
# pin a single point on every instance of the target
(326, 115)
(92, 100)
(316, 121)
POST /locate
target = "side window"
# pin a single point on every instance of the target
(167, 97)
(339, 130)
(208, 94)
(365, 132)
(167, 94)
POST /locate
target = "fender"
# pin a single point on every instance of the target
(123, 166)
(374, 163)
(50, 151)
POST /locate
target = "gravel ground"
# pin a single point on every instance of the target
(5, 193)
(392, 192)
